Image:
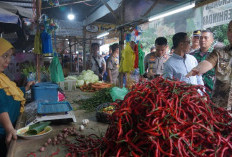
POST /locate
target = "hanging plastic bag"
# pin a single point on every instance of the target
(118, 93)
(141, 60)
(46, 42)
(128, 59)
(37, 43)
(56, 70)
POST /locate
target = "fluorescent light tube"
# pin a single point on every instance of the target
(173, 11)
(103, 34)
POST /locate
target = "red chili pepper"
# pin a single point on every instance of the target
(68, 155)
(28, 155)
(164, 118)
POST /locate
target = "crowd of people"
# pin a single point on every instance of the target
(204, 62)
(107, 68)
(197, 60)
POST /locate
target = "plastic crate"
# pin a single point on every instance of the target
(69, 85)
(54, 107)
(45, 91)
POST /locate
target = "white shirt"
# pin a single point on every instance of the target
(177, 67)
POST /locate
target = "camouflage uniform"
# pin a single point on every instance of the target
(221, 59)
(208, 77)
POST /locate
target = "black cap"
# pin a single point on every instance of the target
(197, 33)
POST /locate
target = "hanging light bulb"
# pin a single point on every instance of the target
(71, 16)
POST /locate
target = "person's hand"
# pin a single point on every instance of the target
(10, 134)
(100, 77)
(193, 72)
(150, 74)
(29, 84)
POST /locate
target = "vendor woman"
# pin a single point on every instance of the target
(221, 59)
(11, 99)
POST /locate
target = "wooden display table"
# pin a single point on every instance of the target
(22, 147)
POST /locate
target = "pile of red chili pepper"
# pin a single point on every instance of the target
(168, 118)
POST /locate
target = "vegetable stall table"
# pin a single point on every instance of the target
(23, 147)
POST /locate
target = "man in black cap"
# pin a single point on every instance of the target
(195, 41)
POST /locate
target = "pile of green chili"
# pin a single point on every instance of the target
(99, 97)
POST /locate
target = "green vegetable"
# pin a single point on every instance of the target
(88, 77)
(100, 97)
(27, 68)
(34, 129)
(80, 83)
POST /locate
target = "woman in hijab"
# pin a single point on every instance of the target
(11, 99)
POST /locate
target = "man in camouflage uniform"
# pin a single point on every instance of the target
(220, 59)
(206, 43)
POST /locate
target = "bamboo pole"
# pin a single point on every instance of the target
(38, 13)
(121, 41)
(84, 48)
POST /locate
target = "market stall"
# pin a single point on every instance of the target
(151, 118)
(23, 147)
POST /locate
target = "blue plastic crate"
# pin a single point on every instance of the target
(45, 91)
(54, 107)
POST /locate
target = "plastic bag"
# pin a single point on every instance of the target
(128, 60)
(118, 93)
(37, 43)
(30, 111)
(56, 70)
(141, 60)
(46, 42)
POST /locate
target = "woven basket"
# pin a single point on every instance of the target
(102, 116)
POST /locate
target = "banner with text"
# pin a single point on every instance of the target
(217, 13)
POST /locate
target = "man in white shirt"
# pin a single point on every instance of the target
(181, 63)
(96, 62)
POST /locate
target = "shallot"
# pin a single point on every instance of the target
(49, 141)
(42, 149)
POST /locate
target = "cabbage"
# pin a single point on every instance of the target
(88, 77)
(71, 78)
(80, 83)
